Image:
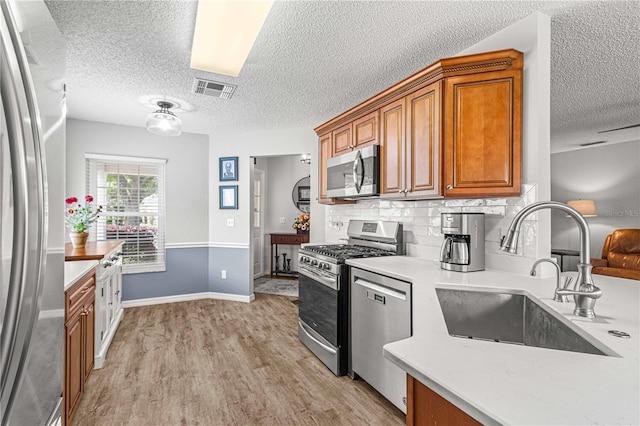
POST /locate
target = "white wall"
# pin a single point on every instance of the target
(283, 174)
(187, 170)
(609, 175)
(531, 36)
(274, 142)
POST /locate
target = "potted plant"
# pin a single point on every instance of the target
(301, 224)
(79, 218)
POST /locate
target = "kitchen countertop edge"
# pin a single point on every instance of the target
(74, 270)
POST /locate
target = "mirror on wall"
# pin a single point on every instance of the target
(301, 194)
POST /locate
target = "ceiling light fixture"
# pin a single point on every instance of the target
(306, 159)
(163, 122)
(224, 34)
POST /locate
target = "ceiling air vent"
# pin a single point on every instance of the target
(213, 88)
(592, 143)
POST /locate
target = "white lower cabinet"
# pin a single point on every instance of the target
(108, 303)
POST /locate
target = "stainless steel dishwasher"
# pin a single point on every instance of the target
(380, 314)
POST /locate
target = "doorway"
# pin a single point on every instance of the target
(276, 204)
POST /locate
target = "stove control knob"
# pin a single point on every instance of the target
(314, 262)
(326, 266)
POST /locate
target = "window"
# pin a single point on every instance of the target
(131, 193)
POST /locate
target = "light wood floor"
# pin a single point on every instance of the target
(212, 362)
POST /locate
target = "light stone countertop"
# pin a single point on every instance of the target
(74, 270)
(499, 383)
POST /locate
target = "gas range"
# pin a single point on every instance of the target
(323, 305)
(366, 239)
(340, 252)
(329, 257)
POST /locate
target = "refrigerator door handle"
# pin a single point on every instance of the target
(29, 229)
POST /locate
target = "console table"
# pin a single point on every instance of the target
(285, 239)
(562, 253)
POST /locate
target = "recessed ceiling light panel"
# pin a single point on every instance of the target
(224, 34)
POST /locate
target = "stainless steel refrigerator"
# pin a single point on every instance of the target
(32, 182)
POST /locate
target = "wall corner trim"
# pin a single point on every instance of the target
(187, 297)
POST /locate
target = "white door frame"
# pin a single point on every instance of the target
(258, 239)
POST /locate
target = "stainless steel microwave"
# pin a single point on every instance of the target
(355, 174)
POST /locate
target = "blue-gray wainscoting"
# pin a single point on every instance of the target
(234, 260)
(193, 270)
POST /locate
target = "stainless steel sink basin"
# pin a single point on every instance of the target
(508, 318)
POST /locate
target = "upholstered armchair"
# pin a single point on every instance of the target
(620, 255)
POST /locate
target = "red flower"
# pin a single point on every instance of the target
(88, 198)
(70, 211)
(71, 200)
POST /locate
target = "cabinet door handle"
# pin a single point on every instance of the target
(406, 190)
(449, 186)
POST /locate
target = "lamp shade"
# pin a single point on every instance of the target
(586, 208)
(163, 122)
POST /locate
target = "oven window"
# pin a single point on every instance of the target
(318, 308)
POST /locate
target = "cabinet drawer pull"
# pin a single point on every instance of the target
(449, 186)
(84, 290)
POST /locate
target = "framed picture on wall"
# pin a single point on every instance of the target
(228, 196)
(228, 168)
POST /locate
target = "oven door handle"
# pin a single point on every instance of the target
(329, 282)
(309, 334)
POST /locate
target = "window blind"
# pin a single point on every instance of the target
(131, 192)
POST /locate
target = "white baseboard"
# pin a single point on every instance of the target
(187, 297)
(51, 313)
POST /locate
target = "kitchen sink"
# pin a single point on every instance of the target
(509, 318)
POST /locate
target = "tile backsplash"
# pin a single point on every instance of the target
(421, 222)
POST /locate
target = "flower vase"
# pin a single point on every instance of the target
(300, 231)
(78, 239)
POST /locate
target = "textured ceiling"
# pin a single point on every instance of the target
(316, 59)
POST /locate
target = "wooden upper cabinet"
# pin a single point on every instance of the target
(392, 158)
(356, 134)
(365, 130)
(343, 139)
(325, 154)
(423, 142)
(483, 135)
(453, 129)
(410, 145)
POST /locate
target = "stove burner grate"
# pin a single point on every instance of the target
(347, 251)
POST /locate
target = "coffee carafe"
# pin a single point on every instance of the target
(463, 246)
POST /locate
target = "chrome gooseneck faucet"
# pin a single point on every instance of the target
(584, 291)
(559, 286)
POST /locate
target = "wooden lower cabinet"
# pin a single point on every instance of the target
(79, 346)
(425, 407)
